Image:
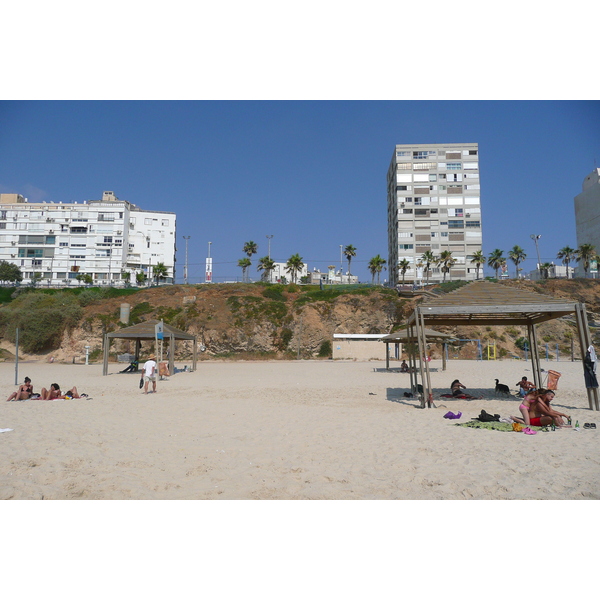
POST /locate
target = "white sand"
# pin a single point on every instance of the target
(288, 430)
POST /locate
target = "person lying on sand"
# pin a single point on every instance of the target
(54, 393)
(24, 392)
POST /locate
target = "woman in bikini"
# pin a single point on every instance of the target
(527, 405)
(23, 393)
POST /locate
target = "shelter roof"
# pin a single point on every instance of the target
(487, 303)
(404, 335)
(146, 330)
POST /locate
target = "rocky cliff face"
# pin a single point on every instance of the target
(241, 319)
(256, 321)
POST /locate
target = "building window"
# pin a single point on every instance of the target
(421, 154)
(453, 166)
(473, 223)
(407, 211)
(108, 239)
(165, 222)
(455, 224)
(403, 153)
(426, 166)
(2, 225)
(471, 165)
(147, 221)
(405, 247)
(64, 244)
(404, 166)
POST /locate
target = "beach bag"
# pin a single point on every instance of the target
(141, 382)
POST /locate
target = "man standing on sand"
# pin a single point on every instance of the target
(150, 373)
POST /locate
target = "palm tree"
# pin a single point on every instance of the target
(350, 253)
(294, 265)
(496, 260)
(478, 260)
(586, 253)
(159, 272)
(428, 259)
(266, 265)
(140, 278)
(446, 261)
(375, 266)
(545, 269)
(250, 248)
(567, 254)
(244, 263)
(517, 255)
(403, 266)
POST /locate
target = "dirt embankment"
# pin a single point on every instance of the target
(254, 321)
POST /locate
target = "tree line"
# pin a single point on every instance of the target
(295, 263)
(585, 254)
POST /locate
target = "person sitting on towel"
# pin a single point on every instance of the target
(524, 386)
(456, 388)
(403, 367)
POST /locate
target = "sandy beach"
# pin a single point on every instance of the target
(288, 430)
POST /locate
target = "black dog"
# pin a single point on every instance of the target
(502, 389)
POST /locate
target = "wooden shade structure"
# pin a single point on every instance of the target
(146, 331)
(403, 336)
(486, 303)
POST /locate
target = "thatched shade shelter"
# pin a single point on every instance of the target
(403, 336)
(146, 331)
(486, 303)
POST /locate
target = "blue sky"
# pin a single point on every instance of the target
(310, 173)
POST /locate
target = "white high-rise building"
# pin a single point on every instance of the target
(434, 204)
(108, 239)
(587, 215)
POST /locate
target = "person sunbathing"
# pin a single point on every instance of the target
(52, 394)
(456, 387)
(24, 392)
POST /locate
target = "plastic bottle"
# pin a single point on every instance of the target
(569, 420)
(576, 423)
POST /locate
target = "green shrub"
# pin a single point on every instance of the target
(41, 320)
(325, 350)
(274, 292)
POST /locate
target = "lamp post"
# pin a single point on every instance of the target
(185, 268)
(269, 237)
(535, 238)
(208, 272)
(341, 263)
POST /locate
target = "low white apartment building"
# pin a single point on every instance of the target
(108, 239)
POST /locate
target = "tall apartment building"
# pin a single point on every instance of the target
(105, 238)
(434, 204)
(587, 215)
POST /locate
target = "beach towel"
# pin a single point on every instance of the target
(493, 425)
(5, 430)
(461, 397)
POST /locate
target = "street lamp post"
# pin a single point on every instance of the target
(341, 262)
(269, 237)
(185, 268)
(535, 238)
(208, 273)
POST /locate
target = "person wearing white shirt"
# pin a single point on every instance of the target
(150, 374)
